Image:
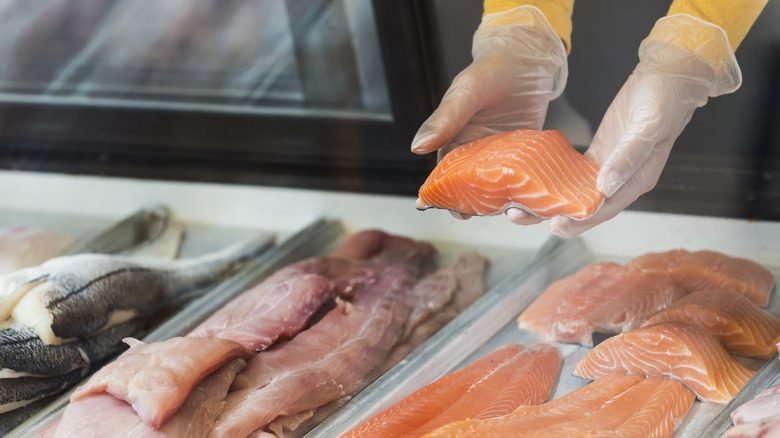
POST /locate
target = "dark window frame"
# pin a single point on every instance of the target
(334, 153)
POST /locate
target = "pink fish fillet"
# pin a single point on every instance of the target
(766, 428)
(602, 297)
(102, 415)
(269, 311)
(764, 405)
(322, 364)
(157, 378)
(440, 296)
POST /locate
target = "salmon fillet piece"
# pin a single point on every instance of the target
(676, 350)
(697, 270)
(614, 405)
(537, 171)
(601, 297)
(493, 385)
(740, 325)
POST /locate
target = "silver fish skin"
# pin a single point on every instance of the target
(79, 295)
(21, 349)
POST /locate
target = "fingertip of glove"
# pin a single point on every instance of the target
(520, 217)
(561, 227)
(421, 144)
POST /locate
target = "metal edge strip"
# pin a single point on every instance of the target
(760, 381)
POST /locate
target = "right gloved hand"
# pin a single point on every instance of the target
(519, 66)
(684, 61)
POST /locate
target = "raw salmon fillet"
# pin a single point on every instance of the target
(601, 297)
(537, 171)
(699, 270)
(740, 325)
(493, 385)
(613, 405)
(676, 350)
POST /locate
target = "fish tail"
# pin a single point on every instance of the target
(205, 271)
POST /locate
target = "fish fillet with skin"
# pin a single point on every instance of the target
(22, 351)
(740, 325)
(23, 247)
(601, 297)
(74, 296)
(467, 278)
(493, 385)
(537, 171)
(282, 305)
(675, 350)
(102, 415)
(277, 308)
(332, 358)
(698, 270)
(612, 406)
(461, 283)
(157, 378)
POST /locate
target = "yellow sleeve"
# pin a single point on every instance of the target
(558, 13)
(734, 16)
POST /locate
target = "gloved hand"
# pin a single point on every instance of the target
(683, 61)
(519, 66)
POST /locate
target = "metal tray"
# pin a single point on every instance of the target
(492, 322)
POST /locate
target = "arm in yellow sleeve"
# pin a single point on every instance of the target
(734, 16)
(558, 13)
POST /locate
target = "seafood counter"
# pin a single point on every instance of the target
(344, 320)
(275, 352)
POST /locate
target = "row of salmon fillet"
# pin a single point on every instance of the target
(676, 317)
(285, 353)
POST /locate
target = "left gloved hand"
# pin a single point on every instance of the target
(683, 61)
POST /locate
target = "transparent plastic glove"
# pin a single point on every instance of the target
(683, 61)
(519, 66)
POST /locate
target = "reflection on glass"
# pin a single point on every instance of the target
(299, 57)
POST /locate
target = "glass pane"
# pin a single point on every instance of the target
(267, 56)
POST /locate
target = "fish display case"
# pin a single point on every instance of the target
(293, 120)
(522, 266)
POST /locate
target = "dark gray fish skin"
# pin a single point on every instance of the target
(81, 297)
(22, 389)
(12, 419)
(22, 350)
